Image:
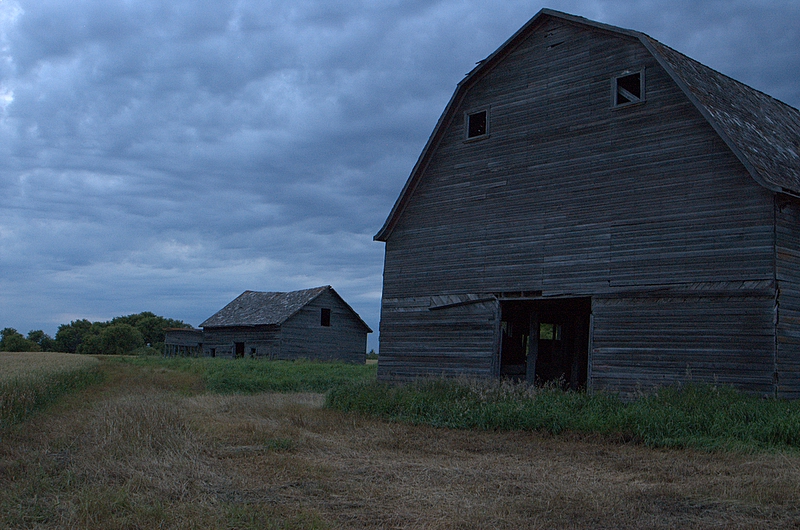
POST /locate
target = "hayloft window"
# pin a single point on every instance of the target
(325, 317)
(628, 89)
(477, 124)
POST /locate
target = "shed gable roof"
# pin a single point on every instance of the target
(761, 131)
(256, 308)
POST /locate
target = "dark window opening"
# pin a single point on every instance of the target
(325, 317)
(628, 89)
(477, 124)
(546, 342)
(252, 352)
(239, 349)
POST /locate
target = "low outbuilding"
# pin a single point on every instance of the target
(312, 324)
(183, 342)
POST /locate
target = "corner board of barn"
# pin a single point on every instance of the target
(597, 209)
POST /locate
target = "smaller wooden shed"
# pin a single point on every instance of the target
(183, 342)
(312, 324)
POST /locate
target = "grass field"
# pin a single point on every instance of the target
(29, 381)
(151, 447)
(693, 416)
(248, 376)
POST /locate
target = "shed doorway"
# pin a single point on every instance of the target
(545, 341)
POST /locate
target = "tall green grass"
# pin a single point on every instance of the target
(692, 416)
(248, 376)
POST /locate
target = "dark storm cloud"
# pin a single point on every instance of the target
(166, 156)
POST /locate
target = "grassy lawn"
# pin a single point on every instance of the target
(150, 446)
(248, 376)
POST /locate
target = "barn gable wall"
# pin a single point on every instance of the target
(567, 196)
(303, 336)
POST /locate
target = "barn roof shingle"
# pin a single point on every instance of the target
(761, 131)
(256, 308)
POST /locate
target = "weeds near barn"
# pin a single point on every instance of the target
(692, 416)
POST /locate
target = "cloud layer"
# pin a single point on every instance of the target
(166, 156)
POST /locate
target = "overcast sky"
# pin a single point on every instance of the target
(166, 156)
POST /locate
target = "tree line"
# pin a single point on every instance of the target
(142, 332)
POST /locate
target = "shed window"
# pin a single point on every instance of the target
(325, 317)
(628, 89)
(477, 124)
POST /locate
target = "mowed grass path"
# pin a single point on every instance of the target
(150, 447)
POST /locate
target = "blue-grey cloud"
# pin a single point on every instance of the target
(166, 156)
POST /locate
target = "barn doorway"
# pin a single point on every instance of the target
(239, 349)
(545, 341)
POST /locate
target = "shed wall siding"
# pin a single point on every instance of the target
(787, 254)
(571, 197)
(303, 336)
(265, 339)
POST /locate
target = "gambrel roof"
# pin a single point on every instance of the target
(256, 308)
(761, 131)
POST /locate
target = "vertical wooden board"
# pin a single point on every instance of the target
(787, 260)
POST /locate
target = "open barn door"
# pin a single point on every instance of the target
(545, 341)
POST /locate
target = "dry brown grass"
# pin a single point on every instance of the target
(135, 453)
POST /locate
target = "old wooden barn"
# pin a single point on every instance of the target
(596, 207)
(183, 342)
(312, 324)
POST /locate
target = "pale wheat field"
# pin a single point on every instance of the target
(29, 381)
(20, 366)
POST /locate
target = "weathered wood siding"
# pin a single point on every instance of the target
(183, 342)
(571, 197)
(458, 333)
(303, 336)
(787, 257)
(713, 333)
(266, 340)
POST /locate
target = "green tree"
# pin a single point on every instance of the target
(90, 345)
(70, 336)
(118, 339)
(13, 340)
(45, 342)
(129, 332)
(150, 325)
